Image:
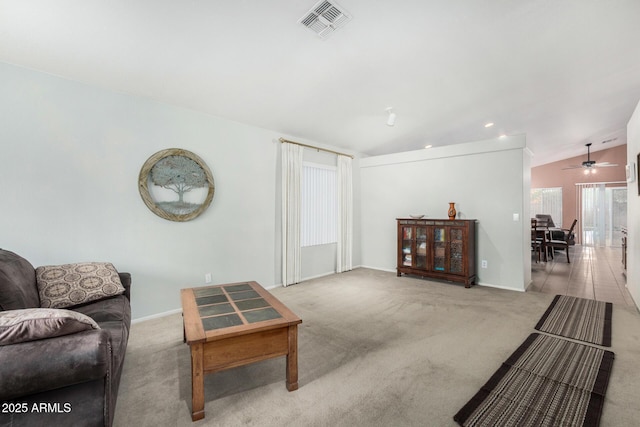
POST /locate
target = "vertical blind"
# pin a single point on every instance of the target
(601, 211)
(547, 201)
(319, 205)
(590, 197)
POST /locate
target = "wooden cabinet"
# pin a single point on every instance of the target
(440, 249)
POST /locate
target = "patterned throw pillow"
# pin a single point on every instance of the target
(67, 285)
(31, 324)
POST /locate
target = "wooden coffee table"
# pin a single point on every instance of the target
(233, 325)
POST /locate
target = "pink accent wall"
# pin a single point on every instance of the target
(552, 175)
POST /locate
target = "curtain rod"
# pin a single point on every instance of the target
(315, 148)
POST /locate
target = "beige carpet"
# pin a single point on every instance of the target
(374, 350)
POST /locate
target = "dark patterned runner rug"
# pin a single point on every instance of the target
(578, 318)
(547, 381)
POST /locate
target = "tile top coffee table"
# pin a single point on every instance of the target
(233, 325)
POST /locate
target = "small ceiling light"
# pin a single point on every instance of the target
(391, 120)
(503, 136)
(488, 125)
(428, 146)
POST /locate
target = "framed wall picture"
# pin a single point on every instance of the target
(176, 184)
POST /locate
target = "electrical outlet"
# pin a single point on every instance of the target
(484, 263)
(207, 278)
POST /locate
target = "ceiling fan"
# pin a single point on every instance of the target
(590, 164)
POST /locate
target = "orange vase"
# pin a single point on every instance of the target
(452, 210)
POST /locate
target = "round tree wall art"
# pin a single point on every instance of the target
(176, 184)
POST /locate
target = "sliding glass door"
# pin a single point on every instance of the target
(603, 212)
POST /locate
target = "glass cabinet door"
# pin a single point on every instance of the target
(456, 250)
(421, 247)
(407, 240)
(439, 248)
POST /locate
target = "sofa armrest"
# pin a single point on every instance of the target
(125, 278)
(42, 365)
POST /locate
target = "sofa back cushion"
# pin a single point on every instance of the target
(18, 288)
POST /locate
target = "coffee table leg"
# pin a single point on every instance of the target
(197, 382)
(292, 359)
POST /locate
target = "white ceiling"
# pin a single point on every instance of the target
(563, 72)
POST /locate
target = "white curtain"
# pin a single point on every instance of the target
(345, 214)
(591, 213)
(602, 211)
(291, 184)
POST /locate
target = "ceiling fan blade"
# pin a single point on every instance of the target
(588, 164)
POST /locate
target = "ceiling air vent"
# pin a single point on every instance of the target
(324, 18)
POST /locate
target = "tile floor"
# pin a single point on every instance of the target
(594, 273)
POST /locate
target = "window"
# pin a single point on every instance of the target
(547, 201)
(319, 211)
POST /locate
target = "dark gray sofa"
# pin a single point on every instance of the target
(69, 380)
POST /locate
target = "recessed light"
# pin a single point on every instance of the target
(488, 125)
(503, 136)
(428, 146)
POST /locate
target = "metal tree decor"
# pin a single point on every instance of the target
(176, 174)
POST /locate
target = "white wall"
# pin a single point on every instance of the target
(485, 179)
(69, 164)
(633, 209)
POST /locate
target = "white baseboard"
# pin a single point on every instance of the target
(388, 270)
(506, 288)
(179, 310)
(488, 285)
(156, 316)
(304, 279)
(317, 276)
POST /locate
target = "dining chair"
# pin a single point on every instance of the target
(539, 240)
(565, 243)
(536, 244)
